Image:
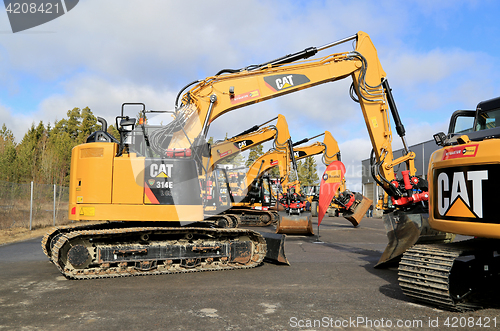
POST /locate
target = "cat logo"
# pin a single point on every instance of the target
(464, 197)
(160, 170)
(245, 143)
(283, 82)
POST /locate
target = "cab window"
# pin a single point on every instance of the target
(488, 120)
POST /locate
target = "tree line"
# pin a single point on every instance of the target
(44, 153)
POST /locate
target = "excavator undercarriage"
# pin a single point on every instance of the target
(115, 250)
(459, 276)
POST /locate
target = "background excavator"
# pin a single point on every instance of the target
(147, 184)
(240, 202)
(352, 205)
(256, 191)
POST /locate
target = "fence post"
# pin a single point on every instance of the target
(54, 204)
(31, 207)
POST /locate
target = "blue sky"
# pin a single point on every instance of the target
(439, 56)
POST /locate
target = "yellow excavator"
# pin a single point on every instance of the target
(242, 206)
(463, 186)
(255, 192)
(146, 185)
(352, 205)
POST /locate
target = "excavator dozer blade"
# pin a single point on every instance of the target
(405, 229)
(359, 211)
(275, 247)
(295, 224)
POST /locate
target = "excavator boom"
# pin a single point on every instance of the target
(254, 136)
(214, 96)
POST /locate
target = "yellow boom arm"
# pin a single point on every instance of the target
(329, 147)
(244, 141)
(214, 96)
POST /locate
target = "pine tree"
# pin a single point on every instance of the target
(88, 124)
(114, 132)
(307, 171)
(44, 153)
(254, 154)
(30, 151)
(8, 155)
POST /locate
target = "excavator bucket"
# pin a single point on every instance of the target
(295, 224)
(355, 214)
(405, 229)
(275, 247)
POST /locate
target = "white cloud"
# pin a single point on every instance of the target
(18, 124)
(432, 80)
(103, 98)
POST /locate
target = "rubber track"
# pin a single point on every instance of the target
(424, 275)
(110, 272)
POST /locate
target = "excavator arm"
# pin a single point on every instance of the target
(329, 147)
(214, 96)
(252, 137)
(267, 161)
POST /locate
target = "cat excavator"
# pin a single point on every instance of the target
(463, 187)
(256, 135)
(255, 192)
(352, 205)
(243, 211)
(146, 185)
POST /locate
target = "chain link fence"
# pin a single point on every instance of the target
(32, 205)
